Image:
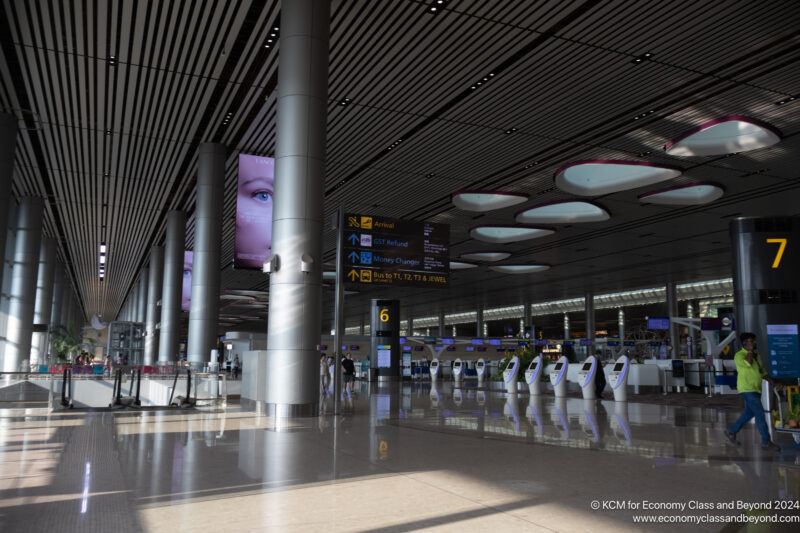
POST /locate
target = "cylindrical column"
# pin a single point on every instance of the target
(204, 307)
(410, 327)
(566, 326)
(154, 288)
(621, 323)
(23, 283)
(141, 299)
(589, 303)
(8, 143)
(689, 310)
(58, 288)
(44, 299)
(8, 263)
(672, 309)
(441, 324)
(296, 287)
(479, 324)
(171, 290)
(766, 260)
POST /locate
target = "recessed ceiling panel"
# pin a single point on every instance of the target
(697, 193)
(461, 265)
(519, 269)
(486, 200)
(501, 234)
(562, 212)
(725, 135)
(604, 176)
(485, 256)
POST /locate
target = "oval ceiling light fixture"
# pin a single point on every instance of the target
(696, 193)
(486, 200)
(461, 265)
(562, 212)
(501, 234)
(519, 269)
(485, 256)
(596, 177)
(725, 135)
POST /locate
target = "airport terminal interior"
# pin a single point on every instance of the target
(399, 265)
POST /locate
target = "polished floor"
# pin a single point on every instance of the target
(400, 457)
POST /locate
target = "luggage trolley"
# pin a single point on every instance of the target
(794, 432)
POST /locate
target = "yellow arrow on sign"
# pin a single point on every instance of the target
(353, 275)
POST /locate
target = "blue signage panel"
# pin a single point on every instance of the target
(658, 323)
(784, 350)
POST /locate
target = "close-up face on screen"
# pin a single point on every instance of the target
(254, 201)
(186, 293)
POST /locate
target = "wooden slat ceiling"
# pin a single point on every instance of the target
(115, 97)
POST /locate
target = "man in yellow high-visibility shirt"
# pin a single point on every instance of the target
(751, 372)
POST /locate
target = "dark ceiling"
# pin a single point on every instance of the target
(115, 97)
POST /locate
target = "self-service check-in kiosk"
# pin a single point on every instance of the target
(586, 377)
(558, 377)
(480, 369)
(533, 375)
(458, 371)
(510, 375)
(434, 370)
(618, 379)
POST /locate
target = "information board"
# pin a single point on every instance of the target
(784, 350)
(389, 251)
(384, 356)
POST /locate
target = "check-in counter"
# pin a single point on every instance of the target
(693, 371)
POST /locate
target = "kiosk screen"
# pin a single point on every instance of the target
(532, 366)
(618, 367)
(587, 366)
(558, 366)
(457, 364)
(510, 366)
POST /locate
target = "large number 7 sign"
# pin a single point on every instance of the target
(781, 248)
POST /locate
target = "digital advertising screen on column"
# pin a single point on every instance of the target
(784, 350)
(186, 291)
(254, 195)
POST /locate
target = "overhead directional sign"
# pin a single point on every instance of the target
(390, 251)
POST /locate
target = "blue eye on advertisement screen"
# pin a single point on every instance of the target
(186, 292)
(254, 201)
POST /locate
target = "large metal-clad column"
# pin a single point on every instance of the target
(171, 291)
(766, 260)
(154, 288)
(8, 143)
(60, 297)
(295, 292)
(204, 310)
(23, 283)
(141, 297)
(44, 299)
(672, 309)
(8, 263)
(589, 304)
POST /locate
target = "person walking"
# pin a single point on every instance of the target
(235, 365)
(750, 374)
(323, 373)
(349, 371)
(599, 376)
